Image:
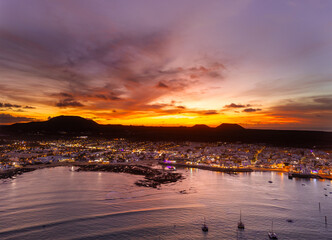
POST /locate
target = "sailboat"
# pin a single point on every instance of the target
(272, 235)
(240, 224)
(205, 227)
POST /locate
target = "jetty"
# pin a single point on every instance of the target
(153, 177)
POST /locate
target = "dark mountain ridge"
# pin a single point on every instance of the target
(69, 126)
(230, 127)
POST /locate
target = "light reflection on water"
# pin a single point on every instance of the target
(61, 204)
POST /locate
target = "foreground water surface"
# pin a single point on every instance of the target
(60, 204)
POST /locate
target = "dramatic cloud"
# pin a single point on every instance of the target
(162, 85)
(7, 118)
(324, 101)
(306, 112)
(248, 110)
(211, 112)
(29, 107)
(14, 106)
(9, 105)
(108, 96)
(107, 60)
(306, 105)
(68, 102)
(233, 105)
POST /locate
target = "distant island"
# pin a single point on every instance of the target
(69, 126)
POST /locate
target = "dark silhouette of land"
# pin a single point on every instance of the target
(69, 126)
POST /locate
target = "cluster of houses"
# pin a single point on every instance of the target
(19, 153)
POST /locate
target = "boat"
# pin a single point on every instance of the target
(240, 224)
(272, 234)
(290, 175)
(205, 227)
(171, 168)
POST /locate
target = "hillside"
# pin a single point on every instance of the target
(70, 126)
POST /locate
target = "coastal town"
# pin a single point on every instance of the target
(220, 156)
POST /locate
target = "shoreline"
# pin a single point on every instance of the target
(210, 168)
(247, 170)
(152, 177)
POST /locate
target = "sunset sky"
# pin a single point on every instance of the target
(261, 64)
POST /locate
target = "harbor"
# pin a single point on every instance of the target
(113, 206)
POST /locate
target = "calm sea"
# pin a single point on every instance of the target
(59, 204)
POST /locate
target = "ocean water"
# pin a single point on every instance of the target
(57, 203)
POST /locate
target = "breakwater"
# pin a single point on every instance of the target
(152, 177)
(10, 173)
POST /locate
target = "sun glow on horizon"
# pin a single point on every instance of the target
(223, 62)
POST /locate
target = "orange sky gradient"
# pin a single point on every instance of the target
(258, 64)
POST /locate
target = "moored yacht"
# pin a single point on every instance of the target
(205, 227)
(272, 234)
(240, 224)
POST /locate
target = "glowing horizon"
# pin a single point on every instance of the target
(180, 63)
